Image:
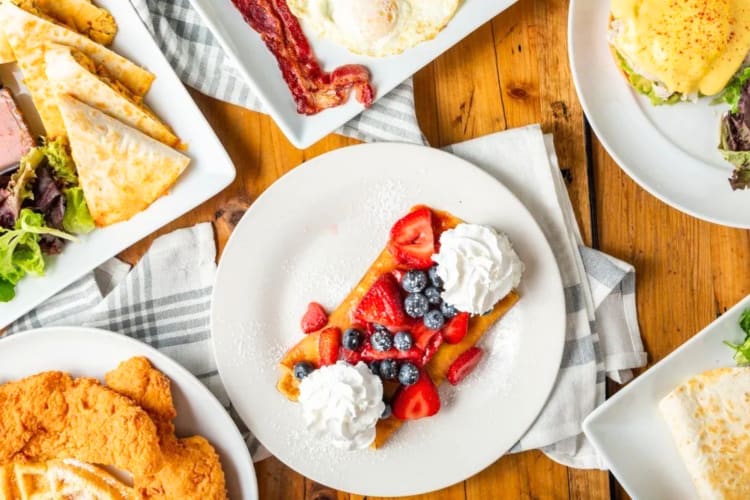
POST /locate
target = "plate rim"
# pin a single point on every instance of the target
(587, 109)
(110, 336)
(546, 248)
(600, 412)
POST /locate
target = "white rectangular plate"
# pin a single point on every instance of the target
(628, 430)
(259, 68)
(209, 172)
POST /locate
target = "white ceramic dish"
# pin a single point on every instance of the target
(628, 430)
(669, 150)
(89, 352)
(209, 172)
(311, 236)
(260, 70)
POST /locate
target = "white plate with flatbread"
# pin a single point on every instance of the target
(209, 170)
(629, 431)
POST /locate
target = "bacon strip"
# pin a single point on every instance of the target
(313, 89)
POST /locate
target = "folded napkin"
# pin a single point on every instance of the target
(200, 62)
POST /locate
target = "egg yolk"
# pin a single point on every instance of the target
(368, 20)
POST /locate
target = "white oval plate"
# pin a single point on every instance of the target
(671, 151)
(311, 236)
(89, 352)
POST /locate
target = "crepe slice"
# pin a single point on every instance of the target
(28, 35)
(122, 171)
(71, 72)
(709, 416)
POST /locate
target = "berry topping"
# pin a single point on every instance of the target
(386, 412)
(433, 295)
(382, 304)
(416, 305)
(464, 364)
(303, 369)
(448, 310)
(353, 339)
(381, 340)
(432, 348)
(328, 345)
(456, 328)
(414, 281)
(375, 367)
(418, 400)
(412, 240)
(434, 320)
(403, 341)
(389, 369)
(314, 318)
(369, 353)
(408, 374)
(436, 280)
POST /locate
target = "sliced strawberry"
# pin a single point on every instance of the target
(431, 348)
(314, 318)
(464, 364)
(455, 330)
(418, 400)
(412, 240)
(382, 304)
(422, 335)
(370, 354)
(328, 345)
(351, 357)
(398, 274)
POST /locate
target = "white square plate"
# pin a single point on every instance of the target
(628, 430)
(259, 68)
(209, 172)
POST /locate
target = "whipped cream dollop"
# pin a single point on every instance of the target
(342, 403)
(478, 266)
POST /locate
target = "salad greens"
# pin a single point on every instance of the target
(77, 219)
(645, 86)
(735, 129)
(742, 351)
(733, 91)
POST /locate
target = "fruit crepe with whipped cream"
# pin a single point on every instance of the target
(446, 350)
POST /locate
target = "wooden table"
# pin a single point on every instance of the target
(511, 72)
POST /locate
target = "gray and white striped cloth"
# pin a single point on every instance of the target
(200, 62)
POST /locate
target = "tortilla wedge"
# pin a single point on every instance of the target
(72, 72)
(709, 416)
(27, 35)
(122, 171)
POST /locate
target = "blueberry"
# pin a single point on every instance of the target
(386, 411)
(408, 374)
(353, 339)
(381, 340)
(378, 327)
(375, 367)
(416, 305)
(433, 295)
(414, 281)
(403, 341)
(303, 369)
(448, 310)
(436, 280)
(389, 369)
(434, 320)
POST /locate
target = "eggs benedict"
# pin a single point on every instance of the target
(677, 51)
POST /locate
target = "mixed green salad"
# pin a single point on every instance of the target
(735, 128)
(742, 350)
(41, 207)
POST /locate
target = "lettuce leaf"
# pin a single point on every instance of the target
(20, 253)
(645, 86)
(742, 351)
(63, 168)
(734, 142)
(733, 91)
(77, 218)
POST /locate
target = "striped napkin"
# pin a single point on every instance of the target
(201, 63)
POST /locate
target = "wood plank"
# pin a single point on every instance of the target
(528, 476)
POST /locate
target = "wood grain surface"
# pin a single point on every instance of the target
(512, 72)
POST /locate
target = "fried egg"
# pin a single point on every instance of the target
(376, 28)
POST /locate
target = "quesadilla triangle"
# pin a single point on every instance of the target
(27, 35)
(121, 170)
(71, 72)
(709, 416)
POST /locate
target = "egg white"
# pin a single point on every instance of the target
(375, 28)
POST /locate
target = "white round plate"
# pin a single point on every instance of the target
(671, 151)
(311, 236)
(89, 352)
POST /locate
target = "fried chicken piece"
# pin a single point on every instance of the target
(51, 415)
(191, 469)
